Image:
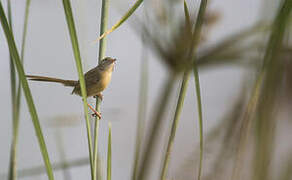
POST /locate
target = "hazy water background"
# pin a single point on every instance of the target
(49, 53)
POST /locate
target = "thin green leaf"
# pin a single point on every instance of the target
(273, 76)
(200, 114)
(194, 42)
(75, 46)
(23, 42)
(197, 31)
(27, 93)
(109, 153)
(103, 27)
(262, 99)
(155, 127)
(141, 112)
(122, 20)
(12, 161)
(179, 107)
(16, 103)
(178, 110)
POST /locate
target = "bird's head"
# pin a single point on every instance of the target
(107, 63)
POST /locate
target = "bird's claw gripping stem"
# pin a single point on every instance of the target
(95, 113)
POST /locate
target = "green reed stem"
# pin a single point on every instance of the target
(27, 93)
(12, 161)
(178, 110)
(141, 112)
(262, 94)
(76, 51)
(16, 96)
(101, 55)
(196, 36)
(200, 114)
(109, 153)
(273, 71)
(155, 126)
(186, 77)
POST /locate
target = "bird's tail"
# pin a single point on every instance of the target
(49, 79)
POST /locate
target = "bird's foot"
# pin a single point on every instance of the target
(95, 113)
(99, 95)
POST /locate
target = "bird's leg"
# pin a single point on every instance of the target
(95, 113)
(99, 95)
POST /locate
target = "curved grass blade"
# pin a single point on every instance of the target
(195, 37)
(200, 114)
(262, 98)
(273, 71)
(76, 51)
(27, 93)
(178, 109)
(122, 20)
(197, 31)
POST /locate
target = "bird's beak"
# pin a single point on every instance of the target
(113, 60)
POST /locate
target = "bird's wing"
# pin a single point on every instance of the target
(92, 76)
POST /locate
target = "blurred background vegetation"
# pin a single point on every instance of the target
(201, 90)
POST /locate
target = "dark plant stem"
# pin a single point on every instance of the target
(154, 128)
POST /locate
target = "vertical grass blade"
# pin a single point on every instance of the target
(186, 77)
(109, 153)
(23, 42)
(141, 112)
(196, 35)
(76, 51)
(262, 99)
(16, 96)
(178, 110)
(200, 114)
(101, 55)
(12, 68)
(103, 27)
(273, 70)
(155, 127)
(122, 20)
(12, 174)
(27, 93)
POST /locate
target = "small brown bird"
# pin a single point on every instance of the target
(96, 79)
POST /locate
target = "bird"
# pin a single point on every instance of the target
(96, 80)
